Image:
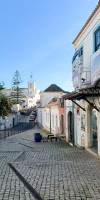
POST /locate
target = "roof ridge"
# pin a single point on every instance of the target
(54, 88)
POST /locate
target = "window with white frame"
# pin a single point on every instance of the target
(97, 39)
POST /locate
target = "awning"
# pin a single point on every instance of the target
(84, 93)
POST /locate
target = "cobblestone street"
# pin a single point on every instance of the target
(54, 169)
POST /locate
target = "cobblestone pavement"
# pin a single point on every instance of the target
(54, 169)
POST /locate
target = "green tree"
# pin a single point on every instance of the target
(17, 93)
(5, 105)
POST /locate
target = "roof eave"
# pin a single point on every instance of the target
(87, 22)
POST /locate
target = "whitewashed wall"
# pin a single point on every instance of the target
(54, 123)
(86, 40)
(16, 107)
(46, 97)
(54, 119)
(8, 121)
(39, 116)
(43, 118)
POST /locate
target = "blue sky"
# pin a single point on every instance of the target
(36, 37)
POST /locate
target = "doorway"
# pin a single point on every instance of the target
(78, 130)
(93, 129)
(62, 118)
(70, 126)
(13, 122)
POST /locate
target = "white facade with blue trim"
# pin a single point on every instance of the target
(85, 73)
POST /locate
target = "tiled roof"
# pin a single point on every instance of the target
(87, 22)
(54, 88)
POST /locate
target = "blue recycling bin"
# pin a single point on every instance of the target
(37, 137)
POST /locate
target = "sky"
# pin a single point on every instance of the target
(36, 38)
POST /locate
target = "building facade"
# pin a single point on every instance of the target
(86, 82)
(30, 96)
(51, 111)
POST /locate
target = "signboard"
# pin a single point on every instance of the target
(75, 72)
(75, 79)
(95, 67)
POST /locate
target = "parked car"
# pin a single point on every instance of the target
(31, 117)
(34, 113)
(22, 112)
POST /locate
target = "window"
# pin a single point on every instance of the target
(56, 120)
(52, 120)
(97, 39)
(30, 85)
(61, 103)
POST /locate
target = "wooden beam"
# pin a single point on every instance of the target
(78, 105)
(92, 104)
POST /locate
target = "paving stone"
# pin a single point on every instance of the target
(56, 170)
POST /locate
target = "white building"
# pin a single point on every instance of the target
(9, 121)
(86, 81)
(48, 114)
(30, 96)
(51, 116)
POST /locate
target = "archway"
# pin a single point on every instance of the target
(61, 124)
(93, 129)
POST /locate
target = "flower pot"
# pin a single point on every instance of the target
(37, 137)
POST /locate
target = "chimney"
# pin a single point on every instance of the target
(99, 2)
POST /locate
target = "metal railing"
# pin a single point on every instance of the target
(7, 133)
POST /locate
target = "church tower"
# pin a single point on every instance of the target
(31, 87)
